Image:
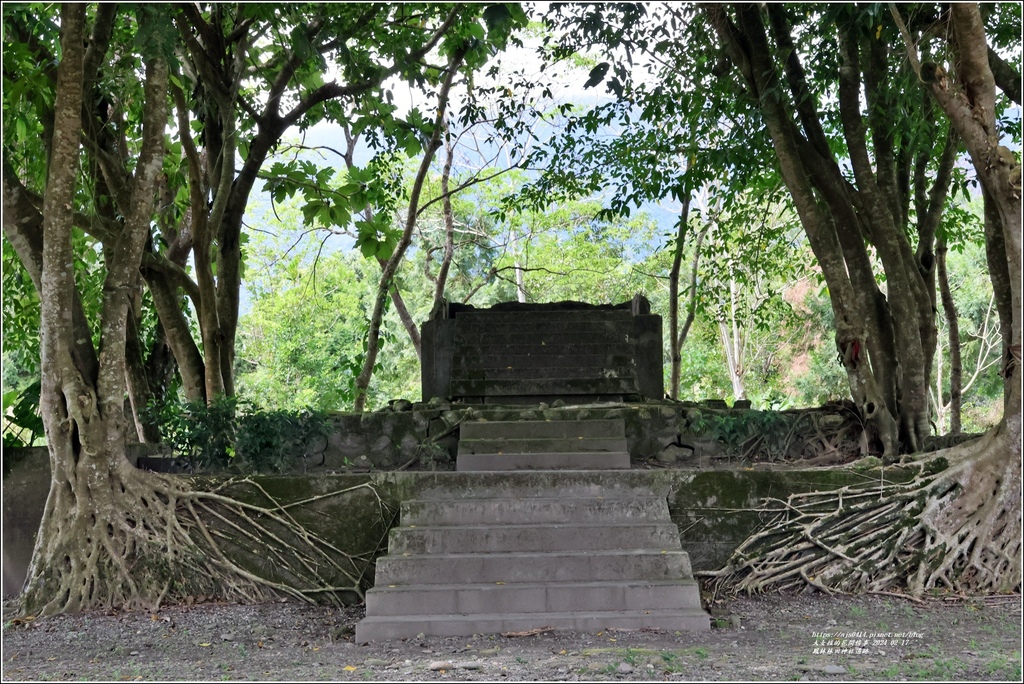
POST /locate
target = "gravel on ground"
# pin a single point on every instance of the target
(772, 637)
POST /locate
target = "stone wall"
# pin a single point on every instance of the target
(658, 433)
(711, 507)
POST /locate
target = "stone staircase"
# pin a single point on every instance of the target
(532, 445)
(496, 553)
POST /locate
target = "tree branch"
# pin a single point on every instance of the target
(1005, 75)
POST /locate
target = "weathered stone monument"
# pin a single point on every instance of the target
(514, 353)
(570, 548)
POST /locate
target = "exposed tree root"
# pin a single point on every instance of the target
(956, 526)
(137, 539)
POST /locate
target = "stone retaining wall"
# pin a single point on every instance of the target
(671, 433)
(711, 507)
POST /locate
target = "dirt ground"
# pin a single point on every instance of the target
(801, 637)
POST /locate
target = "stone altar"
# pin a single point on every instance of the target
(516, 353)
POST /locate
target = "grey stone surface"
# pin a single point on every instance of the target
(532, 554)
(550, 444)
(544, 460)
(711, 509)
(517, 352)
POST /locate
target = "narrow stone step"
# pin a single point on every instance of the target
(533, 509)
(505, 537)
(579, 484)
(536, 429)
(380, 628)
(532, 597)
(542, 445)
(561, 460)
(524, 566)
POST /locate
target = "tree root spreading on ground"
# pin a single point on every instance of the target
(956, 526)
(140, 539)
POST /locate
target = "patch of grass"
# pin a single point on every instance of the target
(1000, 666)
(671, 662)
(940, 668)
(858, 611)
(701, 652)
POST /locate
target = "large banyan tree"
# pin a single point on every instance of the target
(863, 115)
(134, 135)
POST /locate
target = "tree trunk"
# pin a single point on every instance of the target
(957, 524)
(88, 548)
(520, 282)
(691, 306)
(733, 344)
(886, 341)
(362, 383)
(675, 339)
(441, 282)
(407, 322)
(953, 328)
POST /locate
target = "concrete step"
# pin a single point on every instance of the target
(532, 597)
(568, 484)
(571, 550)
(556, 386)
(537, 429)
(528, 566)
(541, 445)
(533, 510)
(532, 537)
(380, 628)
(543, 372)
(560, 460)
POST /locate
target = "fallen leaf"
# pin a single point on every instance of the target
(349, 668)
(528, 632)
(206, 644)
